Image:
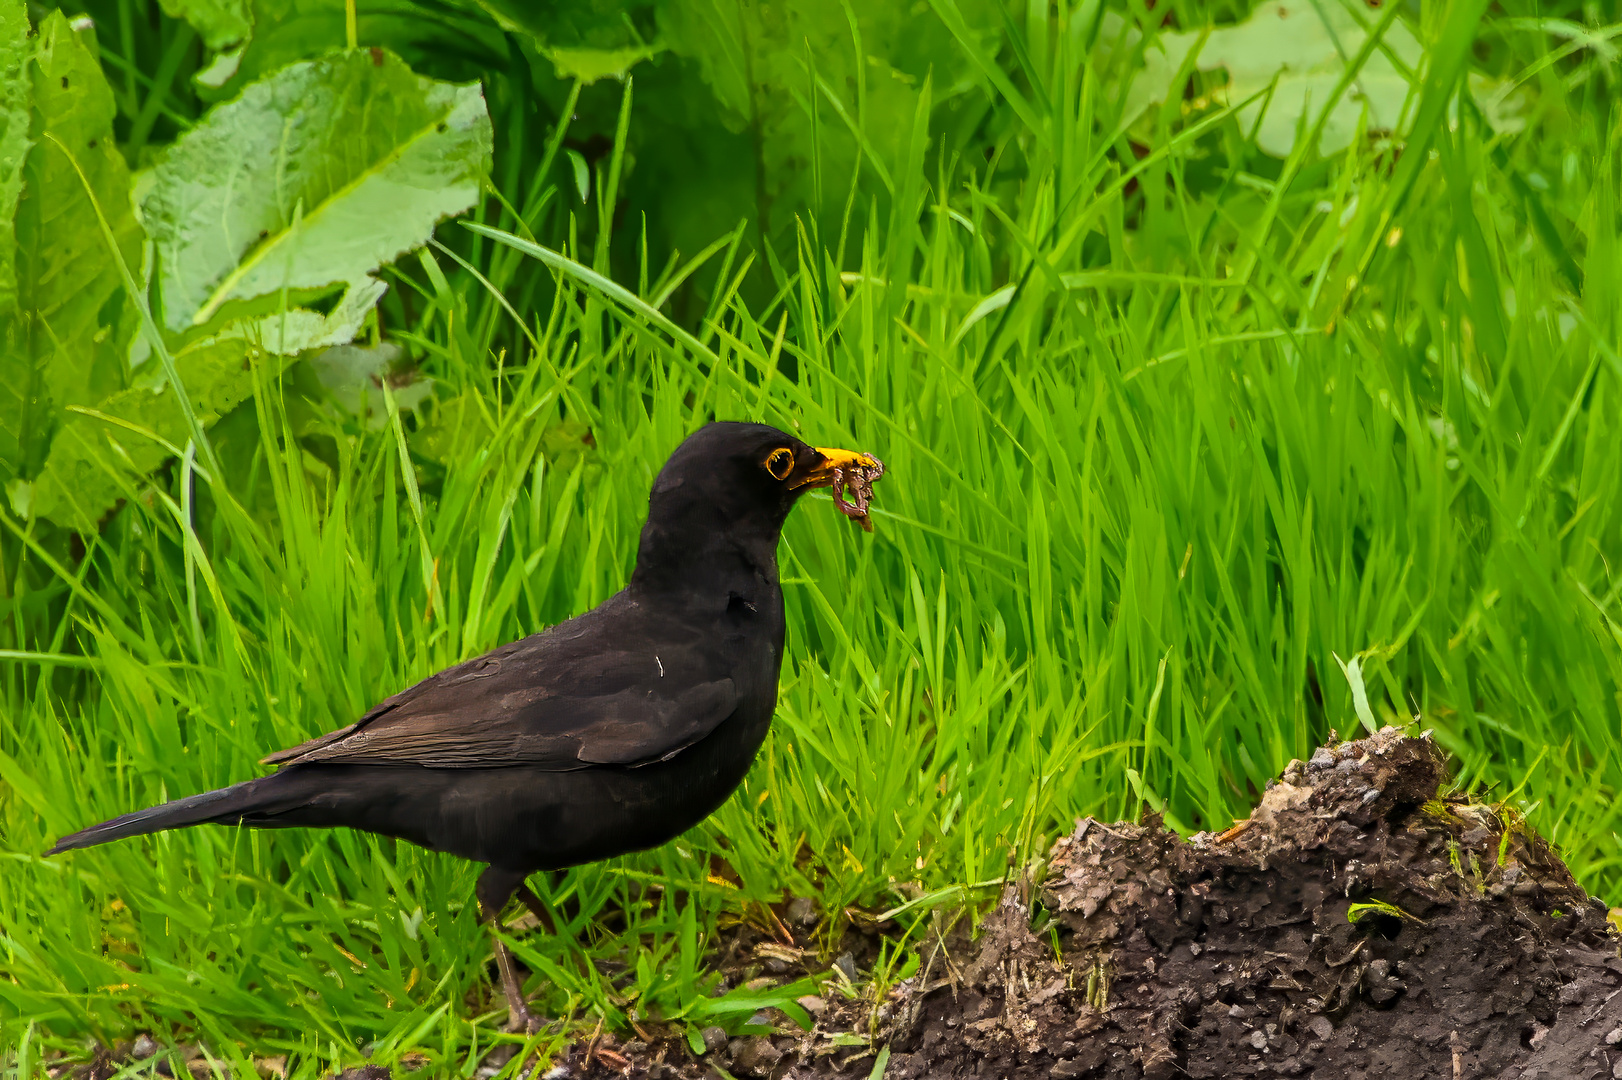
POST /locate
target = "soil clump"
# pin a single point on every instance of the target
(1356, 926)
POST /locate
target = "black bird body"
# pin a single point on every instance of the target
(612, 732)
(535, 702)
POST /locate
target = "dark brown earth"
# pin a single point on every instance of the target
(1236, 955)
(1140, 955)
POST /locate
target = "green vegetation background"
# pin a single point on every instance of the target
(1214, 421)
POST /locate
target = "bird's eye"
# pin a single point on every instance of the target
(779, 463)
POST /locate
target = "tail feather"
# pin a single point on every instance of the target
(267, 795)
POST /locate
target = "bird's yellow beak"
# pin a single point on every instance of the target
(841, 469)
(848, 462)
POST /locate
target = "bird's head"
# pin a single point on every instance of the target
(733, 484)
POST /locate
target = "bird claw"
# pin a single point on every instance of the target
(524, 1022)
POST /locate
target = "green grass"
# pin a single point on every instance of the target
(1235, 421)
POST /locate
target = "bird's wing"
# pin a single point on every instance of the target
(531, 704)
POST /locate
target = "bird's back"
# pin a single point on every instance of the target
(553, 810)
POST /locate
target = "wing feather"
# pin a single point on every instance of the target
(525, 704)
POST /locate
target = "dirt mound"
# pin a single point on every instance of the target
(1356, 926)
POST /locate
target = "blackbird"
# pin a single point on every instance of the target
(612, 732)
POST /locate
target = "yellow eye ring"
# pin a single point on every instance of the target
(779, 463)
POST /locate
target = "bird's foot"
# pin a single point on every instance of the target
(523, 1022)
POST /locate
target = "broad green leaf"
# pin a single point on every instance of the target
(95, 458)
(1162, 57)
(1303, 44)
(451, 428)
(297, 330)
(312, 178)
(98, 454)
(305, 183)
(15, 95)
(753, 57)
(220, 70)
(590, 65)
(354, 376)
(63, 343)
(220, 23)
(586, 40)
(454, 40)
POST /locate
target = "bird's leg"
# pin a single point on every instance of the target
(496, 886)
(519, 1018)
(527, 897)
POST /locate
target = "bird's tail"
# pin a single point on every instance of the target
(254, 802)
